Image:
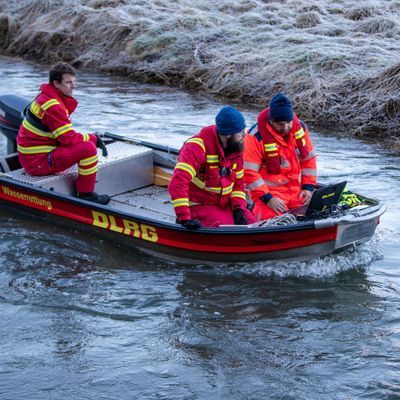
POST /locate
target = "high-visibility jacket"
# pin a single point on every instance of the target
(297, 170)
(47, 125)
(203, 175)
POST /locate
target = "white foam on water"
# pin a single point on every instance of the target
(360, 257)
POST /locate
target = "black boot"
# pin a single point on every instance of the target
(94, 197)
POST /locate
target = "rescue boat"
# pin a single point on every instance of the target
(140, 214)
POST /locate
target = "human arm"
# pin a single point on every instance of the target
(274, 203)
(253, 163)
(190, 159)
(58, 121)
(308, 167)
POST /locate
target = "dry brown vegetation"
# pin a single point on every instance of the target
(338, 60)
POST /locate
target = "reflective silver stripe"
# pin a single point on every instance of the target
(309, 172)
(251, 166)
(311, 154)
(258, 183)
(276, 183)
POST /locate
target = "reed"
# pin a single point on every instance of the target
(338, 60)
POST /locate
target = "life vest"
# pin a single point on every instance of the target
(218, 173)
(203, 175)
(34, 113)
(272, 160)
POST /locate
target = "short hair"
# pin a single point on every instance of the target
(59, 69)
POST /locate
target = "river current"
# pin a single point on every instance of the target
(83, 318)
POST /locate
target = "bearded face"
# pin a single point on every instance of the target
(233, 143)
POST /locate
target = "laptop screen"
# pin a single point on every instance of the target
(322, 199)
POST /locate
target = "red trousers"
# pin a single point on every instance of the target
(214, 216)
(289, 196)
(62, 158)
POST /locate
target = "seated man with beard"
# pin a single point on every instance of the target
(207, 186)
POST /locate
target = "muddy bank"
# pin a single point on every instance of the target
(339, 61)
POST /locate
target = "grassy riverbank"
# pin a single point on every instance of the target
(338, 60)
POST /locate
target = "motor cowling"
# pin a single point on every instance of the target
(11, 115)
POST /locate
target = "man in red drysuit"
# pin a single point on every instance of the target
(207, 186)
(279, 160)
(47, 142)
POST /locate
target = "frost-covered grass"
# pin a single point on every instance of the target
(338, 60)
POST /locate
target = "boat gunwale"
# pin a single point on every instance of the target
(231, 231)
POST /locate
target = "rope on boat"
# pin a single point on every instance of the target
(284, 219)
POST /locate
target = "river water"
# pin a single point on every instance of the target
(83, 318)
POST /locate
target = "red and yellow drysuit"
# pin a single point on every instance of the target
(47, 142)
(278, 166)
(207, 185)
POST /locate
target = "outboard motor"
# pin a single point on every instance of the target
(11, 115)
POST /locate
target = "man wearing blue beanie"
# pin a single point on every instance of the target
(207, 186)
(279, 160)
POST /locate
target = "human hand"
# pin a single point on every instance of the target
(101, 145)
(276, 204)
(305, 196)
(238, 217)
(191, 224)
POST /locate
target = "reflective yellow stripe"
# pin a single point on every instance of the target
(234, 166)
(62, 129)
(85, 137)
(186, 167)
(213, 189)
(198, 141)
(272, 155)
(49, 103)
(36, 109)
(239, 194)
(199, 183)
(29, 127)
(270, 147)
(299, 134)
(240, 174)
(212, 158)
(227, 190)
(35, 149)
(184, 201)
(88, 171)
(88, 161)
(219, 190)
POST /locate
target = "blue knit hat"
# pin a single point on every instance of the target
(280, 108)
(229, 121)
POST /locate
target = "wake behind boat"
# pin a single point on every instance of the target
(140, 213)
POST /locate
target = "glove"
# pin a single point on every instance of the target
(100, 144)
(191, 224)
(238, 217)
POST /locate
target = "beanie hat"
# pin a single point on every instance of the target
(280, 108)
(229, 121)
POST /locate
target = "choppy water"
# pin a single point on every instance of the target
(87, 319)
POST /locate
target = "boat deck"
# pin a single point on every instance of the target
(127, 175)
(149, 202)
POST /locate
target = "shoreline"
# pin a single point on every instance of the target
(336, 61)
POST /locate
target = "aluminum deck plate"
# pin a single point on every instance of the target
(127, 167)
(149, 202)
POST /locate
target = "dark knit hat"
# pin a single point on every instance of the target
(280, 108)
(229, 121)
